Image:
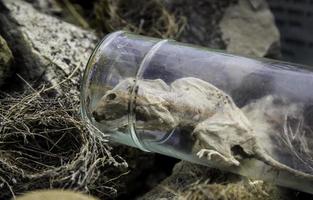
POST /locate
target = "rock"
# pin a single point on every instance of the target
(249, 29)
(240, 26)
(50, 7)
(45, 46)
(6, 59)
(202, 20)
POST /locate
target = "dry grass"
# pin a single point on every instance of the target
(151, 18)
(44, 144)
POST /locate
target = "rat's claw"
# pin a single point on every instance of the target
(209, 153)
(200, 154)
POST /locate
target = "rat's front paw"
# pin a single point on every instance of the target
(215, 156)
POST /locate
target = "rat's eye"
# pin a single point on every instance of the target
(111, 96)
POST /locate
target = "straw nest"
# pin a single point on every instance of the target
(44, 144)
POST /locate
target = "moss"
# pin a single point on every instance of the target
(257, 190)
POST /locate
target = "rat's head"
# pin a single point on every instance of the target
(113, 105)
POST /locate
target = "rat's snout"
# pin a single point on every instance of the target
(98, 117)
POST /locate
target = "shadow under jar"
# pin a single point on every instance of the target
(250, 116)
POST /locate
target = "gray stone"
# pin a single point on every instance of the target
(240, 26)
(6, 59)
(202, 20)
(50, 7)
(249, 29)
(45, 46)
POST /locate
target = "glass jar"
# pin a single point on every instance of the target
(250, 116)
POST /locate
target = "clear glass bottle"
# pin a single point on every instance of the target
(250, 116)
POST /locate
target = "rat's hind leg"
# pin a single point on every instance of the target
(211, 146)
(218, 137)
(216, 156)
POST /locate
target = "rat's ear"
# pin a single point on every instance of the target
(110, 96)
